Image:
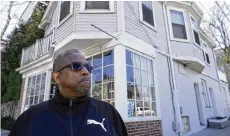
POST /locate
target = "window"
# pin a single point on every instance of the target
(53, 88)
(178, 26)
(64, 10)
(205, 94)
(35, 90)
(140, 85)
(147, 14)
(97, 5)
(102, 76)
(205, 53)
(195, 30)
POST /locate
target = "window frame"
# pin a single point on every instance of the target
(193, 29)
(205, 51)
(59, 12)
(141, 16)
(157, 101)
(83, 10)
(171, 27)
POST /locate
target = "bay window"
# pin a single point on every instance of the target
(35, 90)
(195, 30)
(140, 85)
(102, 76)
(147, 13)
(178, 26)
(205, 53)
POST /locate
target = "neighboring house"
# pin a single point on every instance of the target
(159, 71)
(224, 76)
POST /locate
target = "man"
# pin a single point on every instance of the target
(71, 112)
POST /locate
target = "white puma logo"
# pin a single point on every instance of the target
(90, 121)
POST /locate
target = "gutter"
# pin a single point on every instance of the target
(177, 126)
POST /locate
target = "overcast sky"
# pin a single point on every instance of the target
(18, 10)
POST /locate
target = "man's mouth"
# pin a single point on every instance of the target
(85, 80)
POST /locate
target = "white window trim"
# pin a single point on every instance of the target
(59, 13)
(204, 49)
(141, 16)
(83, 10)
(170, 24)
(192, 28)
(145, 118)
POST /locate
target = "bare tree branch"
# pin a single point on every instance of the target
(8, 19)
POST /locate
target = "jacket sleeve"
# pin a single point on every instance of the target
(119, 123)
(21, 126)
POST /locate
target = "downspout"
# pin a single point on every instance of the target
(177, 126)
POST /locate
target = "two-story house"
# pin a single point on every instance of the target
(151, 61)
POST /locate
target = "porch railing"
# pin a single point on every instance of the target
(36, 50)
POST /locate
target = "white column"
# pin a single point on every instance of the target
(48, 85)
(24, 94)
(120, 81)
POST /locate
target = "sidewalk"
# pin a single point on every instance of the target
(214, 132)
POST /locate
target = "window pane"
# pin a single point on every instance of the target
(29, 81)
(194, 23)
(154, 109)
(41, 98)
(31, 101)
(42, 89)
(37, 90)
(150, 65)
(35, 100)
(137, 76)
(177, 17)
(130, 91)
(97, 61)
(147, 12)
(108, 90)
(38, 79)
(152, 93)
(207, 58)
(139, 95)
(32, 90)
(147, 111)
(151, 79)
(97, 77)
(97, 5)
(144, 64)
(96, 92)
(43, 77)
(65, 9)
(144, 77)
(145, 93)
(140, 108)
(196, 36)
(129, 71)
(179, 31)
(136, 59)
(129, 58)
(131, 109)
(108, 73)
(108, 58)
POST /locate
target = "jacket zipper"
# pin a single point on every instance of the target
(70, 117)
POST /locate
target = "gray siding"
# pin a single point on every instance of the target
(105, 21)
(134, 27)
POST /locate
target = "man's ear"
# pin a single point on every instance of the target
(56, 77)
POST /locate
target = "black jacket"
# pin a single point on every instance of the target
(60, 117)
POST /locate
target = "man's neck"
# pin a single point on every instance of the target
(70, 93)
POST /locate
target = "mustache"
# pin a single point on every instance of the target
(84, 79)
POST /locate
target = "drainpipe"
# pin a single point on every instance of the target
(177, 126)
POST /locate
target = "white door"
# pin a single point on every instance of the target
(199, 104)
(213, 100)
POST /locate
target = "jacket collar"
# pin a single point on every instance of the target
(64, 104)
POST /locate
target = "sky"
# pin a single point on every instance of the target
(18, 10)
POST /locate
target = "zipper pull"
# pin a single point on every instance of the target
(70, 103)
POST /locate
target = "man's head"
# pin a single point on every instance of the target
(71, 73)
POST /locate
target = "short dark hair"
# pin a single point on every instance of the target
(56, 65)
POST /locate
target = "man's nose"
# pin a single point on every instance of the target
(84, 72)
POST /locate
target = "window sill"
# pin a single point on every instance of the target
(179, 40)
(148, 25)
(149, 118)
(207, 64)
(64, 19)
(96, 12)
